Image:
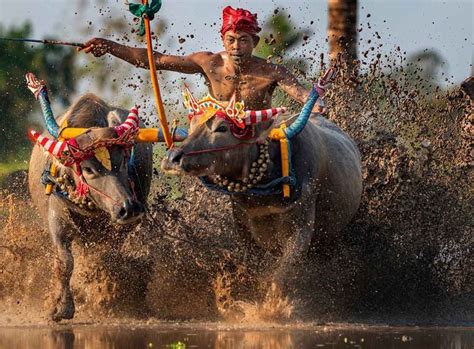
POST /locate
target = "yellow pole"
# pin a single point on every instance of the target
(156, 86)
(145, 135)
(49, 187)
(285, 163)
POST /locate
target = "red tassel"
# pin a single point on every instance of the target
(82, 188)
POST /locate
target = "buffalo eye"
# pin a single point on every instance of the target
(221, 128)
(87, 170)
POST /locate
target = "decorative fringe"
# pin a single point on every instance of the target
(82, 188)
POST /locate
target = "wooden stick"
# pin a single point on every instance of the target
(45, 42)
(156, 86)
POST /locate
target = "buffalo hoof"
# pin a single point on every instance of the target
(276, 306)
(64, 309)
(275, 290)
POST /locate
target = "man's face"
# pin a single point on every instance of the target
(239, 45)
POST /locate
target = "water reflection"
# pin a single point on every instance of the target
(179, 337)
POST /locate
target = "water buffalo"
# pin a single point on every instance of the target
(93, 179)
(326, 187)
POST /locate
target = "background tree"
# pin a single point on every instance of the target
(342, 32)
(55, 64)
(278, 37)
(115, 80)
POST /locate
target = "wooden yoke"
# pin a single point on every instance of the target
(278, 134)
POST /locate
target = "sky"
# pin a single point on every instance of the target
(414, 25)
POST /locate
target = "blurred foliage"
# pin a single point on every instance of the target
(108, 72)
(55, 64)
(279, 35)
(117, 82)
(424, 67)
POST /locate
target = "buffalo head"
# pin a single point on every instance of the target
(223, 139)
(94, 167)
(228, 143)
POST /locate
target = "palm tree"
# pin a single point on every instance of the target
(342, 32)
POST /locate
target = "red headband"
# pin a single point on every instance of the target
(239, 19)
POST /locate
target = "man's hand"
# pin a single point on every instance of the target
(97, 46)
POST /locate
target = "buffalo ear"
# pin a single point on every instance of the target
(113, 119)
(262, 129)
(103, 156)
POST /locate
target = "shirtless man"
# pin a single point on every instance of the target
(236, 70)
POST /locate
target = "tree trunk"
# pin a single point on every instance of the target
(342, 32)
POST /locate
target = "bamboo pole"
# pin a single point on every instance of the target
(156, 86)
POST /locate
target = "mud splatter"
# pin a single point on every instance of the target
(405, 258)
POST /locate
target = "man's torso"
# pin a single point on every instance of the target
(254, 85)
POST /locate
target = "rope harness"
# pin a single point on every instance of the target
(216, 150)
(273, 187)
(79, 193)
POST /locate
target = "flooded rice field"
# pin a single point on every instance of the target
(204, 335)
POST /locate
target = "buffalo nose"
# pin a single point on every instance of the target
(175, 155)
(130, 209)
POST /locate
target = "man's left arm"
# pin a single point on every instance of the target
(288, 83)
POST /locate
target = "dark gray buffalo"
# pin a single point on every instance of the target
(326, 186)
(94, 180)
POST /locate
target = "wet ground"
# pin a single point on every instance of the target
(202, 335)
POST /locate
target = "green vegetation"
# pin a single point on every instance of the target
(55, 64)
(279, 35)
(9, 167)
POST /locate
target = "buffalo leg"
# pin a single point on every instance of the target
(61, 231)
(241, 226)
(294, 250)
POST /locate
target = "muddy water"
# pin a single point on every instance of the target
(193, 335)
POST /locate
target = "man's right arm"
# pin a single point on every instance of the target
(189, 64)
